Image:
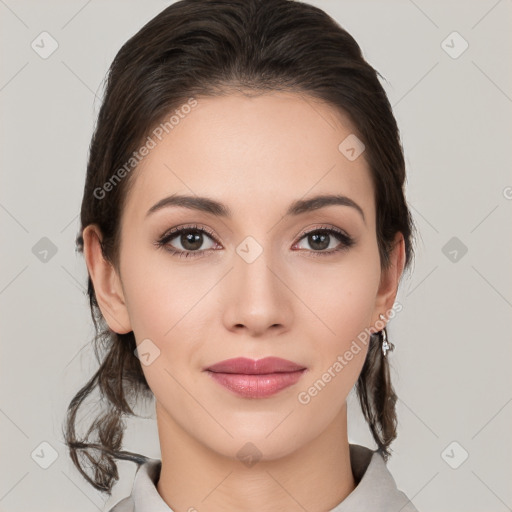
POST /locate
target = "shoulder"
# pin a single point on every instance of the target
(375, 488)
(125, 505)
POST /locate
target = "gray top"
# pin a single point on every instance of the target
(375, 491)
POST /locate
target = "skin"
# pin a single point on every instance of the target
(256, 155)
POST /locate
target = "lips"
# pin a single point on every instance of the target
(243, 365)
(260, 378)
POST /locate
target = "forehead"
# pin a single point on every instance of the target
(254, 153)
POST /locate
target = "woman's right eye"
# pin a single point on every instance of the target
(190, 238)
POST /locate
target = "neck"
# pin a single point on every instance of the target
(316, 477)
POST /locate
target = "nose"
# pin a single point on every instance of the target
(256, 297)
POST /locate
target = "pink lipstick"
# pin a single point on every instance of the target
(260, 378)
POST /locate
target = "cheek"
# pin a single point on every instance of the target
(341, 295)
(160, 293)
(168, 305)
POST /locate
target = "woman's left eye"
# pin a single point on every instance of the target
(321, 238)
(191, 238)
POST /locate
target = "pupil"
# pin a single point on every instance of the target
(192, 240)
(323, 244)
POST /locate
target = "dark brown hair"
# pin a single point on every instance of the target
(197, 48)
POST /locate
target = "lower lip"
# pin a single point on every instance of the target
(257, 386)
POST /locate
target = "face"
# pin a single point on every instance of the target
(260, 281)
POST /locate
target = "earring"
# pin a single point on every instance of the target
(386, 345)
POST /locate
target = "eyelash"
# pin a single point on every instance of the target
(346, 241)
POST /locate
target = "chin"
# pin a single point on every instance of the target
(250, 447)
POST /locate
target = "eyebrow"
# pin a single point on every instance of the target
(218, 209)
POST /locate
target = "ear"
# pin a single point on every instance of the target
(107, 285)
(390, 279)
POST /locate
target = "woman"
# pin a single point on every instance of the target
(245, 231)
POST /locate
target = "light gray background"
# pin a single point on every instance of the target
(451, 366)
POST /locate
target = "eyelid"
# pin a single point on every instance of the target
(191, 227)
(322, 227)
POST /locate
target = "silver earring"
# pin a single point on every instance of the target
(386, 345)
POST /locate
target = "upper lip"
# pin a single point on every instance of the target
(247, 366)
